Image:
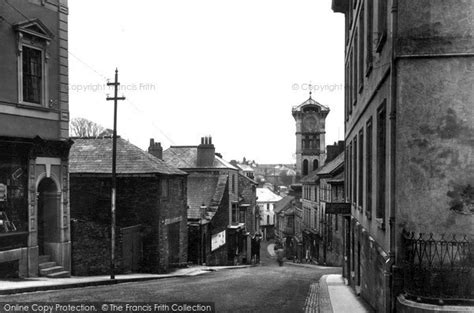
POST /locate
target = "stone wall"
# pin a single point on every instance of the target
(91, 248)
(139, 202)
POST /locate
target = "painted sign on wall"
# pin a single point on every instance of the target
(218, 240)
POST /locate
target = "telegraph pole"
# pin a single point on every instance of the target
(115, 98)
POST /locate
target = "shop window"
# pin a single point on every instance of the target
(13, 190)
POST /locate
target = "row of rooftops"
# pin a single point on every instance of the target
(93, 155)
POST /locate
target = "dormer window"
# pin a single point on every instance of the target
(33, 41)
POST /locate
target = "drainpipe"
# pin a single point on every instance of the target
(389, 264)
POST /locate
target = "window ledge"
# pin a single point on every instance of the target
(34, 106)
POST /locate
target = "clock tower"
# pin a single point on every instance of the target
(310, 117)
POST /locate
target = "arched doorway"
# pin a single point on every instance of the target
(48, 216)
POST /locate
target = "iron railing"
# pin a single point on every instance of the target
(438, 269)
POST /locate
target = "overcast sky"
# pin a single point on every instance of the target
(229, 69)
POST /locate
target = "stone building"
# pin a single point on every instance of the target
(151, 219)
(249, 215)
(213, 203)
(409, 146)
(332, 213)
(34, 139)
(311, 200)
(288, 226)
(310, 117)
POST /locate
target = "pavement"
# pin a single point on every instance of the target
(330, 294)
(13, 286)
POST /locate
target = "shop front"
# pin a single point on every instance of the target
(34, 215)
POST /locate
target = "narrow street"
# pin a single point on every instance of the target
(264, 288)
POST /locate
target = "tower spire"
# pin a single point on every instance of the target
(310, 87)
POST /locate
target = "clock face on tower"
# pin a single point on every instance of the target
(310, 123)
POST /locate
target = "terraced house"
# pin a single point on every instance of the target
(217, 234)
(409, 145)
(34, 139)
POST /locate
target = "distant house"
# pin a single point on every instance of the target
(288, 226)
(217, 233)
(266, 200)
(246, 170)
(150, 209)
(276, 174)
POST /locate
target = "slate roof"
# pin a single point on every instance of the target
(205, 190)
(339, 178)
(266, 195)
(186, 157)
(245, 167)
(329, 167)
(201, 189)
(94, 156)
(283, 204)
(310, 178)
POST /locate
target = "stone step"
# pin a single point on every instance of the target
(51, 270)
(44, 258)
(46, 265)
(62, 274)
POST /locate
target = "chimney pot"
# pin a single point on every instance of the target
(205, 152)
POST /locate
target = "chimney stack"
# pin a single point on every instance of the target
(206, 152)
(155, 149)
(334, 150)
